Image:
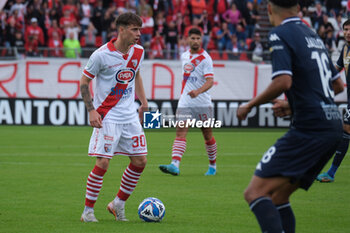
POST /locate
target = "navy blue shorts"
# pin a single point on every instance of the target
(298, 155)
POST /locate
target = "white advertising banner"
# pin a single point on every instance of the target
(59, 79)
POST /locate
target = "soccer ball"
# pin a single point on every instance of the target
(151, 210)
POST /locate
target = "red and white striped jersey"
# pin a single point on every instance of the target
(114, 93)
(196, 68)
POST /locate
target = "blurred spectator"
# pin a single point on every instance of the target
(301, 16)
(333, 7)
(71, 46)
(144, 6)
(197, 6)
(256, 48)
(35, 9)
(235, 49)
(9, 33)
(34, 30)
(338, 28)
(54, 15)
(327, 25)
(19, 40)
(240, 33)
(317, 16)
(66, 19)
(71, 8)
(157, 46)
(182, 46)
(55, 45)
(54, 29)
(112, 31)
(232, 17)
(20, 7)
(250, 17)
(107, 21)
(31, 46)
(195, 24)
(322, 32)
(74, 28)
(90, 36)
(85, 13)
(147, 29)
(180, 25)
(97, 17)
(224, 37)
(159, 23)
(220, 7)
(171, 37)
(330, 41)
(206, 25)
(19, 20)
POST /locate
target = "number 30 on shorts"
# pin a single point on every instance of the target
(139, 141)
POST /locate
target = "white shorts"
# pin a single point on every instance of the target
(202, 113)
(118, 139)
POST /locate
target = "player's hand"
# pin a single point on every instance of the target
(95, 119)
(193, 93)
(243, 111)
(281, 108)
(142, 109)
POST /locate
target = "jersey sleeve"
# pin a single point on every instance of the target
(141, 60)
(340, 62)
(93, 66)
(280, 56)
(208, 70)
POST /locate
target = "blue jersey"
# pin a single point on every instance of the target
(343, 62)
(297, 51)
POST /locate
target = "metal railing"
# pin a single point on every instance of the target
(14, 53)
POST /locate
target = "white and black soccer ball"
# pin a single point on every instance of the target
(151, 210)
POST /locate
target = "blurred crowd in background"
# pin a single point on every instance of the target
(230, 27)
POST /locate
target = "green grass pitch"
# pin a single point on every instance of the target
(43, 172)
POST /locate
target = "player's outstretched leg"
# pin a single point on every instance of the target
(128, 183)
(179, 147)
(328, 177)
(211, 148)
(93, 187)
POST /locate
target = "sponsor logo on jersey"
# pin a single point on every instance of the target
(274, 37)
(125, 76)
(189, 67)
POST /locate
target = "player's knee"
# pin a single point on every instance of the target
(249, 195)
(102, 163)
(139, 161)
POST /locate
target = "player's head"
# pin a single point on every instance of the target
(280, 9)
(346, 29)
(129, 26)
(195, 39)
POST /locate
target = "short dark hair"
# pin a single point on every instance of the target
(347, 22)
(284, 3)
(127, 19)
(194, 31)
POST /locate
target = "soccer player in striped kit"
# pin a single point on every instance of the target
(195, 102)
(117, 130)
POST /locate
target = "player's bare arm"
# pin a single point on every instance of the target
(338, 86)
(281, 108)
(140, 92)
(206, 86)
(278, 85)
(94, 116)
